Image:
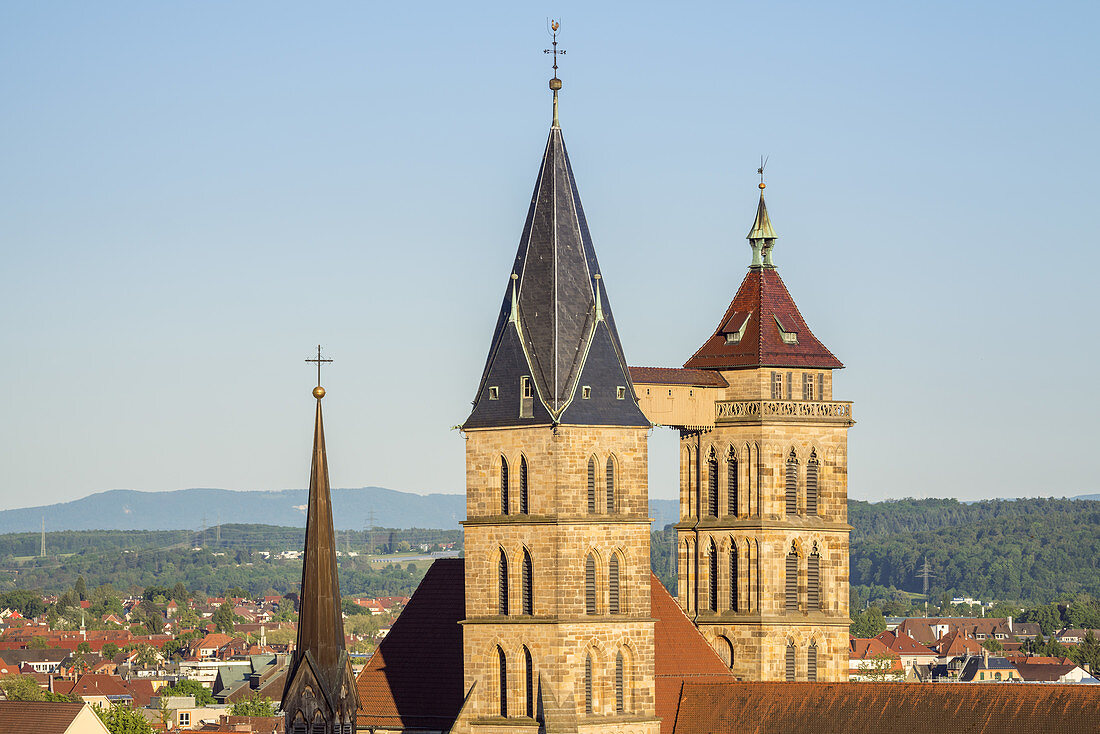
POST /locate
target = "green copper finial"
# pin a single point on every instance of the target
(762, 237)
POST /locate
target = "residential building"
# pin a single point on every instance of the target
(42, 717)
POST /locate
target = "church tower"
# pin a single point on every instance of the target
(557, 631)
(320, 696)
(763, 532)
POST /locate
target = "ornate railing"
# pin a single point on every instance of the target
(733, 411)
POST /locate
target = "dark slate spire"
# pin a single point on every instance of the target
(555, 326)
(320, 686)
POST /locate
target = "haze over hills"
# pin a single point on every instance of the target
(126, 509)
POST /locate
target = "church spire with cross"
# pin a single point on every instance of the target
(320, 694)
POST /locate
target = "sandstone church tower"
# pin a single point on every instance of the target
(557, 630)
(320, 695)
(763, 535)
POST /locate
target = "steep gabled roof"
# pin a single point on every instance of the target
(555, 324)
(44, 717)
(414, 679)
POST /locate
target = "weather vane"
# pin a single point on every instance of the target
(763, 163)
(319, 361)
(552, 29)
(555, 83)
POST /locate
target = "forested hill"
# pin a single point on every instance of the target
(1026, 550)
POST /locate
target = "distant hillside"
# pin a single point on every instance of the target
(189, 509)
(125, 509)
(1014, 550)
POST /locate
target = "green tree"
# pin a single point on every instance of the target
(187, 687)
(880, 668)
(179, 593)
(993, 645)
(21, 688)
(223, 618)
(869, 623)
(1088, 652)
(147, 655)
(84, 647)
(38, 642)
(109, 650)
(80, 588)
(254, 705)
(121, 719)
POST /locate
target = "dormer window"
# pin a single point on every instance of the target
(586, 392)
(526, 400)
(620, 393)
(788, 337)
(734, 328)
(494, 393)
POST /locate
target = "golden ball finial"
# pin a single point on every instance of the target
(555, 84)
(761, 185)
(318, 392)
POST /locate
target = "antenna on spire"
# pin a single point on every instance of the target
(552, 27)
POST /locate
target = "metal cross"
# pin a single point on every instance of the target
(319, 362)
(554, 25)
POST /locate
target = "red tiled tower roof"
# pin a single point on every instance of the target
(764, 303)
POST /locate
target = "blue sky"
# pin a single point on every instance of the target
(194, 195)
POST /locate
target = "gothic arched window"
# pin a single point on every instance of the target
(590, 584)
(791, 487)
(588, 684)
(503, 486)
(731, 484)
(789, 661)
(527, 583)
(620, 684)
(502, 676)
(811, 661)
(811, 484)
(712, 602)
(712, 484)
(502, 584)
(813, 581)
(524, 507)
(610, 485)
(529, 682)
(734, 578)
(592, 485)
(613, 585)
(790, 590)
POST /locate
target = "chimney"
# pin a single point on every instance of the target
(1010, 624)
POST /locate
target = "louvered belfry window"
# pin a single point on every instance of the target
(813, 582)
(588, 684)
(712, 602)
(620, 693)
(318, 726)
(503, 486)
(528, 596)
(524, 506)
(734, 579)
(811, 484)
(791, 488)
(590, 584)
(791, 587)
(811, 662)
(790, 661)
(613, 606)
(529, 683)
(502, 675)
(502, 584)
(610, 485)
(712, 484)
(731, 484)
(592, 486)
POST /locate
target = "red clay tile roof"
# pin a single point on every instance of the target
(903, 644)
(414, 679)
(865, 648)
(765, 299)
(907, 708)
(40, 717)
(1045, 672)
(676, 376)
(680, 655)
